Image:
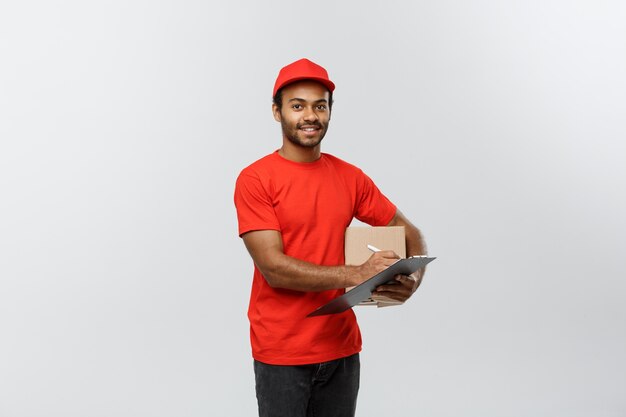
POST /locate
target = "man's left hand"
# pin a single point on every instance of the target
(406, 286)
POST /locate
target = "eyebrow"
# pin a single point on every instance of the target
(322, 100)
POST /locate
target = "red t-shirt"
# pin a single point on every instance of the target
(310, 204)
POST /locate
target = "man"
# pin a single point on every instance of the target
(293, 207)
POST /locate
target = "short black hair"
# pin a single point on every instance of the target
(278, 99)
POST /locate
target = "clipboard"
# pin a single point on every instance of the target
(364, 290)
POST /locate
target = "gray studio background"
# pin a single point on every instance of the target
(496, 126)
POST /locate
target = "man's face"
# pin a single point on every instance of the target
(305, 113)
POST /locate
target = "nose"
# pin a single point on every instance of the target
(309, 115)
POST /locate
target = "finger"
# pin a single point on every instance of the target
(388, 254)
(384, 263)
(410, 278)
(405, 280)
(389, 261)
(393, 288)
(406, 285)
(393, 295)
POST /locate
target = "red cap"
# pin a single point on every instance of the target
(302, 69)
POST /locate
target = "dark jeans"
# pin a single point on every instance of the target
(327, 389)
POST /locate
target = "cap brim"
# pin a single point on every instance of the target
(325, 82)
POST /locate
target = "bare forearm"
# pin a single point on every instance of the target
(283, 271)
(294, 274)
(415, 243)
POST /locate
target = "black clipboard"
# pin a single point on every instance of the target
(364, 290)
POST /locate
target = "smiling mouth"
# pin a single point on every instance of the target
(309, 129)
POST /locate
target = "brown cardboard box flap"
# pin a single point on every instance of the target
(384, 238)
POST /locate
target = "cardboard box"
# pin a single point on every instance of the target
(384, 238)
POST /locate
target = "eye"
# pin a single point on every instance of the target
(296, 106)
(321, 107)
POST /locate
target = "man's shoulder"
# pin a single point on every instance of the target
(341, 164)
(260, 165)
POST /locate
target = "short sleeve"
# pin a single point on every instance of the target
(373, 207)
(255, 209)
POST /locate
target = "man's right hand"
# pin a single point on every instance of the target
(378, 262)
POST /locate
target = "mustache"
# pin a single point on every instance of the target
(315, 124)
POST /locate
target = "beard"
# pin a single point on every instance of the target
(295, 136)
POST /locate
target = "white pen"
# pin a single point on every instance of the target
(373, 248)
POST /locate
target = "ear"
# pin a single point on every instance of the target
(276, 111)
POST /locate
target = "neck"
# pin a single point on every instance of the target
(297, 153)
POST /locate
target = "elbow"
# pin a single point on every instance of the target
(271, 275)
(271, 281)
